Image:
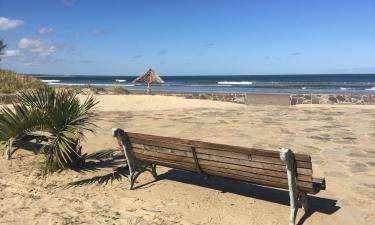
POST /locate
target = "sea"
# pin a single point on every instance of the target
(265, 84)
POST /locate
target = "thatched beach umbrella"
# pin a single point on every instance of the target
(149, 77)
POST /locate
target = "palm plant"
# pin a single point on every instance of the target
(58, 113)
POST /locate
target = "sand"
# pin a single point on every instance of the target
(341, 141)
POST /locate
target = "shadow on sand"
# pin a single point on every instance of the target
(316, 204)
(112, 159)
(101, 160)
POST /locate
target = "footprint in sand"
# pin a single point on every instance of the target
(359, 168)
(320, 138)
(357, 155)
(335, 174)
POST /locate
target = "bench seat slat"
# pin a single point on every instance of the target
(222, 147)
(254, 170)
(256, 176)
(253, 180)
(242, 162)
(137, 142)
(218, 153)
(256, 158)
(205, 166)
(175, 158)
(280, 183)
(219, 164)
(167, 163)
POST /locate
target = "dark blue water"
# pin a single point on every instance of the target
(278, 84)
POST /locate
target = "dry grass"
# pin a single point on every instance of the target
(87, 89)
(12, 82)
(120, 90)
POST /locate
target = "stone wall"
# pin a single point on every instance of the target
(227, 97)
(348, 99)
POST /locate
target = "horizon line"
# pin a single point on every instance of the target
(293, 74)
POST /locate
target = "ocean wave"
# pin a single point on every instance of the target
(120, 81)
(209, 85)
(236, 82)
(51, 81)
(97, 85)
(370, 89)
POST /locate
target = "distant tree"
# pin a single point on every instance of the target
(2, 46)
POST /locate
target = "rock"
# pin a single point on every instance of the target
(205, 96)
(315, 101)
(332, 99)
(229, 98)
(293, 101)
(340, 98)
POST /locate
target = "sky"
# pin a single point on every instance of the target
(188, 37)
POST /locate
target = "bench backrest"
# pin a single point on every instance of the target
(258, 166)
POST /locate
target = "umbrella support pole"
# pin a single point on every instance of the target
(148, 88)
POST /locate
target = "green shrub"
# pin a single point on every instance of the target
(57, 112)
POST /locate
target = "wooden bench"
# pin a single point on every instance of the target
(279, 169)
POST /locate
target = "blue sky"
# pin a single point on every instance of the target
(191, 37)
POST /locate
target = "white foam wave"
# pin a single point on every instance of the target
(209, 85)
(98, 85)
(303, 88)
(51, 81)
(120, 81)
(236, 82)
(342, 88)
(370, 89)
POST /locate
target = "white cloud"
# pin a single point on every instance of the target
(45, 30)
(36, 46)
(11, 52)
(44, 50)
(8, 24)
(29, 43)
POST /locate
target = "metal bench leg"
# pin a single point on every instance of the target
(286, 155)
(138, 170)
(153, 171)
(304, 202)
(135, 167)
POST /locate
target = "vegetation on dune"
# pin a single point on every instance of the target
(57, 112)
(12, 82)
(118, 89)
(87, 89)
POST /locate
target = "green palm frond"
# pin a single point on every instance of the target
(56, 111)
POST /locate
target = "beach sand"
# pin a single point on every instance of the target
(340, 139)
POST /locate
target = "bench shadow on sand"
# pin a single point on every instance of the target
(109, 159)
